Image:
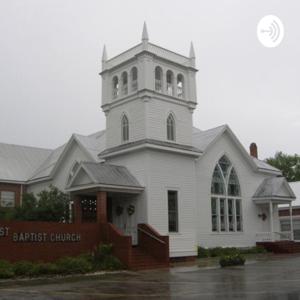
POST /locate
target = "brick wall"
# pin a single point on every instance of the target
(16, 188)
(43, 241)
(286, 212)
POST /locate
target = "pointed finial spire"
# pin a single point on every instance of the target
(104, 54)
(145, 37)
(192, 55)
(192, 51)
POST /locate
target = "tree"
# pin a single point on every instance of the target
(53, 205)
(288, 164)
(50, 205)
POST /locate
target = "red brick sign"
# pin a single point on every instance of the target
(46, 241)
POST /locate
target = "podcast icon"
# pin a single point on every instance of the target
(270, 31)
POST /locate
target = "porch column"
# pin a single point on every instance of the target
(291, 221)
(101, 207)
(271, 219)
(77, 217)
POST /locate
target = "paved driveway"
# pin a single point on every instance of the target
(278, 278)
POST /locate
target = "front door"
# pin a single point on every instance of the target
(123, 217)
(131, 228)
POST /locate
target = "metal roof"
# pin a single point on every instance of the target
(22, 163)
(18, 163)
(274, 187)
(104, 173)
(151, 142)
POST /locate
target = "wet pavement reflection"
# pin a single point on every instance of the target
(276, 278)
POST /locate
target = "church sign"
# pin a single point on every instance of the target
(46, 241)
(39, 236)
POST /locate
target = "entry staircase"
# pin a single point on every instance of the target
(152, 251)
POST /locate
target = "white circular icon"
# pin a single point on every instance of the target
(270, 31)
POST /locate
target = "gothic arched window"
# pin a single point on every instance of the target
(124, 83)
(134, 79)
(125, 128)
(171, 128)
(180, 86)
(115, 90)
(226, 210)
(158, 79)
(170, 80)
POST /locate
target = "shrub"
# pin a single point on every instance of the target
(232, 260)
(203, 252)
(25, 268)
(102, 251)
(109, 263)
(6, 270)
(104, 260)
(73, 265)
(253, 250)
(47, 269)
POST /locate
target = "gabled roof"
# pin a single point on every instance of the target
(205, 139)
(21, 163)
(274, 188)
(18, 163)
(103, 175)
(91, 145)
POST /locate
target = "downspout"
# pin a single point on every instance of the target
(21, 195)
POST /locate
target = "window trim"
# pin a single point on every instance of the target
(177, 211)
(125, 137)
(14, 198)
(171, 128)
(227, 197)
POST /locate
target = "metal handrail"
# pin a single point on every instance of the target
(286, 235)
(152, 236)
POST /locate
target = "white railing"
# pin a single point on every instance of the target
(264, 237)
(273, 236)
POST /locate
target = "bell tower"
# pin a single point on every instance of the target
(148, 95)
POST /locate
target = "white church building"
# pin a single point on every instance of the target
(151, 166)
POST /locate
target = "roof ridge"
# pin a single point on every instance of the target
(26, 146)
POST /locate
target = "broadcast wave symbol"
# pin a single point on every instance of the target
(273, 31)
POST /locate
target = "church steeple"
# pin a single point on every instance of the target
(150, 85)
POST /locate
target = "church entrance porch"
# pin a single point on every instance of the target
(269, 215)
(118, 209)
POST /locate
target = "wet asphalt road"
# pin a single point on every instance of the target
(278, 278)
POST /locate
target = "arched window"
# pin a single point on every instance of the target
(170, 79)
(171, 128)
(158, 79)
(134, 79)
(115, 87)
(226, 210)
(180, 86)
(124, 83)
(125, 128)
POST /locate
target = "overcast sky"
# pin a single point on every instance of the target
(50, 57)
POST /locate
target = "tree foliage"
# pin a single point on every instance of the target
(50, 205)
(288, 164)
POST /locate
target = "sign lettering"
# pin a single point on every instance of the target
(40, 237)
